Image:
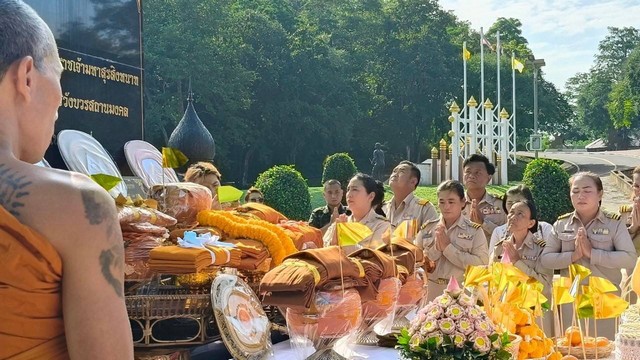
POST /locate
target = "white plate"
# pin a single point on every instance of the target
(146, 162)
(84, 154)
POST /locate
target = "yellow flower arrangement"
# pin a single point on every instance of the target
(275, 239)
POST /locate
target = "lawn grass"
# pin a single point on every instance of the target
(423, 192)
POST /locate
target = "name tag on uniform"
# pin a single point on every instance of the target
(568, 231)
(532, 258)
(464, 236)
(428, 235)
(601, 231)
(488, 211)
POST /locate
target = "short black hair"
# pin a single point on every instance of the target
(415, 172)
(452, 185)
(332, 182)
(516, 190)
(480, 158)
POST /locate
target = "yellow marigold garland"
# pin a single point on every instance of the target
(277, 242)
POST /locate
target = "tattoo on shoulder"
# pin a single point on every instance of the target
(13, 189)
(111, 262)
(94, 210)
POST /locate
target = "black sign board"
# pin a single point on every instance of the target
(100, 48)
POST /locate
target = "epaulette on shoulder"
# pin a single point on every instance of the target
(497, 196)
(541, 242)
(625, 208)
(378, 216)
(564, 216)
(429, 222)
(612, 215)
(475, 225)
(423, 202)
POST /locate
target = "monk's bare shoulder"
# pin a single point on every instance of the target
(79, 218)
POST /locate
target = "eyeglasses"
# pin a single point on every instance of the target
(258, 200)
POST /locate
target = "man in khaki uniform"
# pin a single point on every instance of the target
(404, 205)
(482, 207)
(452, 249)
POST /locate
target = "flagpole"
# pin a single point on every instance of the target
(465, 120)
(481, 69)
(498, 71)
(464, 72)
(513, 103)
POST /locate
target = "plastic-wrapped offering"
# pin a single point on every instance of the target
(334, 315)
(243, 324)
(374, 311)
(183, 201)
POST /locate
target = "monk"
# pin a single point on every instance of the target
(61, 249)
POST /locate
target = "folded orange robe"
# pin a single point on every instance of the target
(31, 324)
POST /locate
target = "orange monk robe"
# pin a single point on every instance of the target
(31, 324)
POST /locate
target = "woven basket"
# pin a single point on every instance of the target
(603, 351)
(514, 346)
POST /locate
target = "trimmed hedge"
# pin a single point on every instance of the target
(285, 190)
(339, 166)
(549, 184)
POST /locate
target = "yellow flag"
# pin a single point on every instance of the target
(561, 293)
(173, 158)
(476, 275)
(577, 269)
(228, 193)
(107, 182)
(635, 278)
(601, 285)
(406, 229)
(606, 306)
(517, 65)
(466, 54)
(351, 233)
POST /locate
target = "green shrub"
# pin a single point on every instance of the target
(285, 190)
(339, 166)
(549, 184)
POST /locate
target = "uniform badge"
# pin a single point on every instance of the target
(532, 258)
(601, 231)
(464, 236)
(487, 211)
(568, 231)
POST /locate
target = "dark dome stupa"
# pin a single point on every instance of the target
(192, 137)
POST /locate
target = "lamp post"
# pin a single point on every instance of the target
(537, 64)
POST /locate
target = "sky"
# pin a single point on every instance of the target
(565, 33)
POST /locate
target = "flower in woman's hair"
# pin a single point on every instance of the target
(455, 311)
(465, 326)
(447, 326)
(481, 343)
(444, 300)
(429, 326)
(458, 339)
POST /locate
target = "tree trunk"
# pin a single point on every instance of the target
(245, 167)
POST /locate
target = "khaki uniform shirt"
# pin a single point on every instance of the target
(379, 225)
(491, 207)
(625, 217)
(468, 247)
(529, 263)
(411, 207)
(611, 244)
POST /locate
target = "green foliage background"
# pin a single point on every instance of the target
(285, 190)
(339, 166)
(549, 184)
(290, 81)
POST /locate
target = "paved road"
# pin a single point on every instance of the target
(601, 163)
